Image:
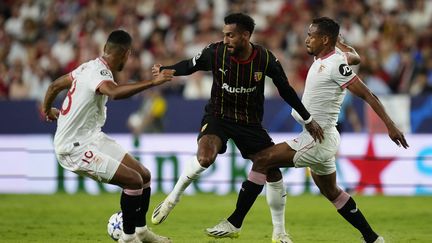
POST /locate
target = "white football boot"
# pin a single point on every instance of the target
(223, 230)
(161, 211)
(380, 239)
(281, 238)
(148, 236)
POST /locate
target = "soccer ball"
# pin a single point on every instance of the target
(115, 226)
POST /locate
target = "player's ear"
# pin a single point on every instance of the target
(325, 39)
(246, 34)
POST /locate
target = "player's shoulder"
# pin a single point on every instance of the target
(335, 59)
(214, 45)
(339, 64)
(101, 68)
(261, 48)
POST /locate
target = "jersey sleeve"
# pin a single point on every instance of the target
(202, 61)
(342, 73)
(99, 77)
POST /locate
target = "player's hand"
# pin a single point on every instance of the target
(52, 114)
(156, 69)
(397, 136)
(164, 76)
(315, 130)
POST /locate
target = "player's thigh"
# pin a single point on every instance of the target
(276, 156)
(91, 162)
(250, 139)
(320, 157)
(212, 140)
(110, 147)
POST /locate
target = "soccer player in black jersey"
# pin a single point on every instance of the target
(235, 110)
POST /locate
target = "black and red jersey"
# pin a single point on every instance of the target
(238, 85)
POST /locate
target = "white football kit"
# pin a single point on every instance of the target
(79, 142)
(324, 92)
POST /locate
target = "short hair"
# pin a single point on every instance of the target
(120, 38)
(243, 21)
(327, 26)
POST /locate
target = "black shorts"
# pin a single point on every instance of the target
(249, 139)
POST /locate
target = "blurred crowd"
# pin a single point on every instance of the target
(43, 39)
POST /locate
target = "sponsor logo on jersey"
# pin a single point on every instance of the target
(106, 73)
(238, 90)
(345, 70)
(258, 76)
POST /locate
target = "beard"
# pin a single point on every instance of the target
(236, 51)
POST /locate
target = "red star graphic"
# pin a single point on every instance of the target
(370, 168)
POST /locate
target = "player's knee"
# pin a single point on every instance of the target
(205, 161)
(274, 175)
(135, 181)
(260, 163)
(146, 176)
(331, 193)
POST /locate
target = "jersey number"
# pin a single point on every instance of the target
(69, 99)
(88, 156)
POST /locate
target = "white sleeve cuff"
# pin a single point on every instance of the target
(308, 120)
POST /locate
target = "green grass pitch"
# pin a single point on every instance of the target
(310, 218)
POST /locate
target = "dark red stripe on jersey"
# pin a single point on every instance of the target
(354, 79)
(328, 54)
(251, 57)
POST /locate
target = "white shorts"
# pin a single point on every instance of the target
(98, 159)
(319, 157)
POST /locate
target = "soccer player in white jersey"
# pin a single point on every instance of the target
(82, 147)
(326, 83)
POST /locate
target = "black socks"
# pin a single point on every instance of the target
(247, 196)
(353, 215)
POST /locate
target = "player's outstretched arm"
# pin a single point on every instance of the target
(361, 90)
(353, 58)
(62, 83)
(123, 91)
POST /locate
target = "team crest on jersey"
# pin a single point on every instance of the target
(105, 72)
(321, 68)
(258, 76)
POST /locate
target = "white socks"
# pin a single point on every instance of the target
(128, 237)
(189, 174)
(276, 199)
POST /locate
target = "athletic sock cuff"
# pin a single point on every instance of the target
(257, 178)
(341, 200)
(133, 192)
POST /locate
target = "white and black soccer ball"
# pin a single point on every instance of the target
(115, 226)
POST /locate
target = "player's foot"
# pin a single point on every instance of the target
(160, 213)
(380, 239)
(281, 238)
(223, 230)
(146, 235)
(124, 239)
